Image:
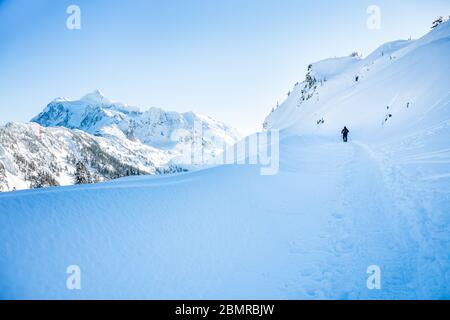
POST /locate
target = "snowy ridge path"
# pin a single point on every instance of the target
(416, 172)
(308, 232)
(361, 229)
(368, 232)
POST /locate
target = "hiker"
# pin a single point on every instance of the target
(344, 133)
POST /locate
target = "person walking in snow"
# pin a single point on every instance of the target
(344, 133)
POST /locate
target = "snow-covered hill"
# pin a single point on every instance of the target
(401, 87)
(32, 156)
(309, 232)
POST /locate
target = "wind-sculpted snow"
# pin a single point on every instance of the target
(309, 232)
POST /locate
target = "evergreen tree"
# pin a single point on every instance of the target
(82, 175)
(41, 180)
(3, 181)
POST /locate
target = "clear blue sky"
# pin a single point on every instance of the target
(231, 59)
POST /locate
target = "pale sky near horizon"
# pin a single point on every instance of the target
(230, 59)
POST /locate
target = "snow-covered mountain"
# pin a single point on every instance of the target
(109, 139)
(315, 230)
(170, 131)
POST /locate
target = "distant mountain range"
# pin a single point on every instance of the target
(104, 140)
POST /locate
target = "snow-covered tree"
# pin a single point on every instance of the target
(82, 175)
(3, 181)
(41, 180)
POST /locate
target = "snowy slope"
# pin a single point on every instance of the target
(308, 232)
(34, 156)
(399, 84)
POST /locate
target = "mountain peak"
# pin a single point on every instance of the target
(61, 99)
(96, 96)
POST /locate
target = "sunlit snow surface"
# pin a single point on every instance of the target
(308, 232)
